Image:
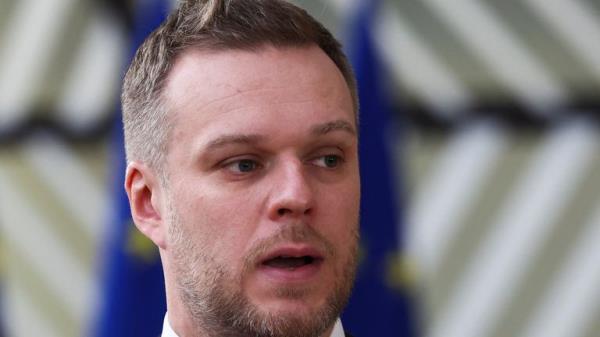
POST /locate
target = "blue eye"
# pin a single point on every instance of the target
(246, 165)
(242, 166)
(329, 161)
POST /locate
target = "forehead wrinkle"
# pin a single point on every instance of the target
(220, 104)
(237, 92)
(201, 61)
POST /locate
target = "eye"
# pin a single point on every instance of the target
(242, 166)
(329, 161)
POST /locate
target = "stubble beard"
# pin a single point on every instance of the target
(218, 307)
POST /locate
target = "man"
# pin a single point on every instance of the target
(241, 137)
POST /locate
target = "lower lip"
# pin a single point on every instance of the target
(300, 274)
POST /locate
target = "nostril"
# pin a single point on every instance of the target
(283, 211)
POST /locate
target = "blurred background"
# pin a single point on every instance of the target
(489, 111)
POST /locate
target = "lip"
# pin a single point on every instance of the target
(298, 274)
(292, 250)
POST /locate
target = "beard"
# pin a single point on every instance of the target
(215, 301)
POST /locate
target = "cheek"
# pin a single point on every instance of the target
(343, 199)
(339, 214)
(224, 221)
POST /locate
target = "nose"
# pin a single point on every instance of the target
(291, 193)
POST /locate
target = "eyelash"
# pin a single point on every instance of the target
(339, 160)
(232, 165)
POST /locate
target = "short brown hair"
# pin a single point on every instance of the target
(209, 25)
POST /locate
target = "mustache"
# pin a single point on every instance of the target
(294, 233)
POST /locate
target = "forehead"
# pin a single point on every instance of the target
(200, 80)
(278, 94)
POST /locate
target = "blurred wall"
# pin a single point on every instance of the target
(499, 156)
(60, 66)
(502, 162)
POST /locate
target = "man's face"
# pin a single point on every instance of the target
(263, 189)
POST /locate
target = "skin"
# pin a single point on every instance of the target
(262, 156)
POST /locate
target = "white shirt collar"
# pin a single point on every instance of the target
(167, 330)
(338, 329)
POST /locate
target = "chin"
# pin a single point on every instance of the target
(296, 317)
(277, 294)
(295, 306)
(298, 301)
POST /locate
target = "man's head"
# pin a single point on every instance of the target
(253, 194)
(210, 25)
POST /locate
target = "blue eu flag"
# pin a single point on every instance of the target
(133, 296)
(380, 305)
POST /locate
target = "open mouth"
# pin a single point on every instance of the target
(292, 258)
(291, 262)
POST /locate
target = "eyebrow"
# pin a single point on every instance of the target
(233, 139)
(253, 139)
(337, 125)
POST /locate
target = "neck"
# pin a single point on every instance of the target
(178, 316)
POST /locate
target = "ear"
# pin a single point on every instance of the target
(146, 202)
